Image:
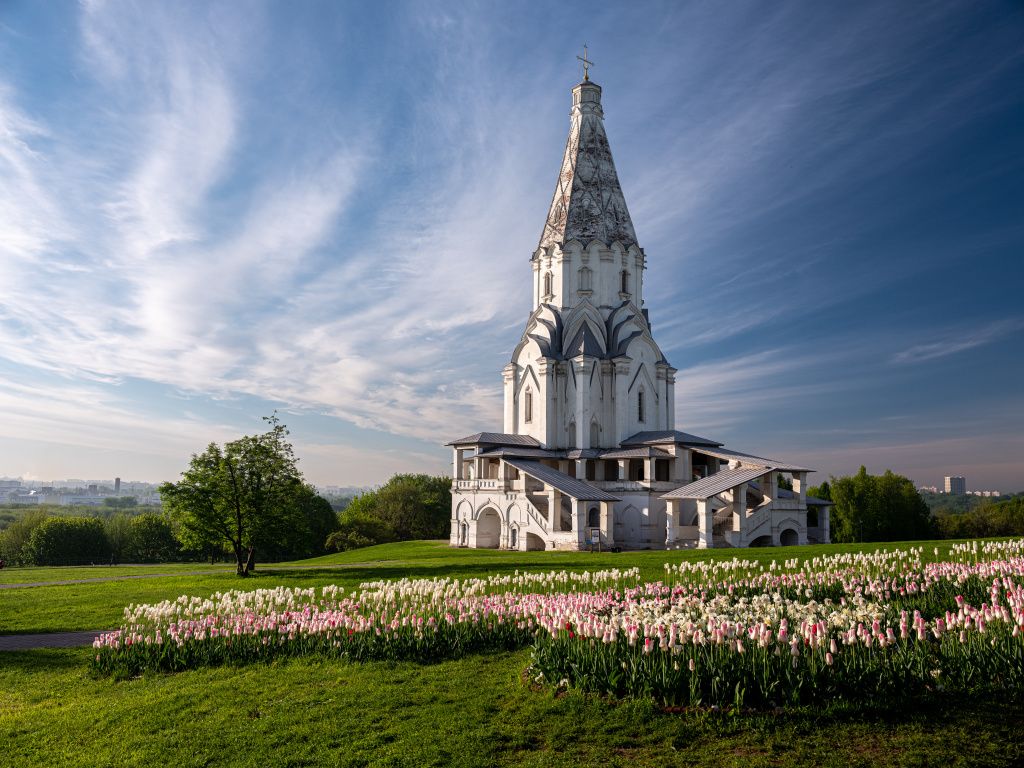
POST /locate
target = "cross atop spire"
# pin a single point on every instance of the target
(587, 64)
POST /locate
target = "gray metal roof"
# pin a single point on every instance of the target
(714, 484)
(570, 486)
(667, 436)
(749, 458)
(640, 452)
(497, 438)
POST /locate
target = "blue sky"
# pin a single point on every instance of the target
(212, 210)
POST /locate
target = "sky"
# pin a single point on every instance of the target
(210, 211)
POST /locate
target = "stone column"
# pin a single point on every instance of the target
(671, 521)
(705, 524)
(825, 523)
(623, 469)
(608, 523)
(582, 368)
(555, 509)
(457, 470)
(739, 507)
(508, 375)
(800, 487)
(621, 394)
(648, 469)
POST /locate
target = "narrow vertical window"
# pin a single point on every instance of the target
(528, 407)
(585, 279)
(640, 405)
(625, 281)
(547, 283)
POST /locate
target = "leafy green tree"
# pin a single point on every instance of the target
(151, 540)
(414, 506)
(68, 541)
(313, 520)
(121, 502)
(117, 529)
(878, 508)
(242, 495)
(15, 537)
(359, 528)
(823, 491)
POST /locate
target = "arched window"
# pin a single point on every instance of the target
(547, 283)
(585, 279)
(640, 406)
(595, 435)
(528, 407)
(625, 281)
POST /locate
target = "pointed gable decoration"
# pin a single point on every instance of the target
(588, 203)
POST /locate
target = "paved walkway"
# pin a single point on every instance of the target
(49, 640)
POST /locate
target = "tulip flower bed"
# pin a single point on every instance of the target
(879, 626)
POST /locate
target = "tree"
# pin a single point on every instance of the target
(68, 541)
(243, 494)
(414, 506)
(823, 491)
(150, 540)
(14, 539)
(878, 508)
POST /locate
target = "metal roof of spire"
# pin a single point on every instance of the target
(588, 203)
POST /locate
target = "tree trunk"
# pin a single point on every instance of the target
(250, 563)
(240, 565)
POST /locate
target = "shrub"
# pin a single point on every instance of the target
(68, 541)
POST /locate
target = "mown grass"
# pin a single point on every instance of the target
(473, 712)
(476, 711)
(100, 605)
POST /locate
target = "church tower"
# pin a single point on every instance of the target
(587, 372)
(590, 455)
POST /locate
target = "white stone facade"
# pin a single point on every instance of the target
(589, 455)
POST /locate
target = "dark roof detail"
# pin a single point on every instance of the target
(588, 203)
(668, 436)
(497, 438)
(527, 453)
(639, 452)
(570, 486)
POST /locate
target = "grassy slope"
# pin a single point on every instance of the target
(474, 711)
(99, 605)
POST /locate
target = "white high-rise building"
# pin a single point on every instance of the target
(589, 453)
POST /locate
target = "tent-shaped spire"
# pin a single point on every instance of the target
(588, 203)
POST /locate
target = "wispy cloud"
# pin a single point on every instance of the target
(958, 341)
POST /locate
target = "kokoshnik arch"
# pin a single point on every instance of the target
(589, 453)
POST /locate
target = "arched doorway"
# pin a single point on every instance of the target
(594, 518)
(488, 529)
(789, 538)
(534, 542)
(513, 538)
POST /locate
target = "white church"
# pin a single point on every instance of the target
(589, 456)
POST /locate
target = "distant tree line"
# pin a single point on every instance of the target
(888, 507)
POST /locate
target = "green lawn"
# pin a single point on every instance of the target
(473, 711)
(61, 608)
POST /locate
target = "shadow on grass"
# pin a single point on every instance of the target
(46, 659)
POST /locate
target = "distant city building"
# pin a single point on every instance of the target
(988, 494)
(956, 484)
(929, 489)
(117, 486)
